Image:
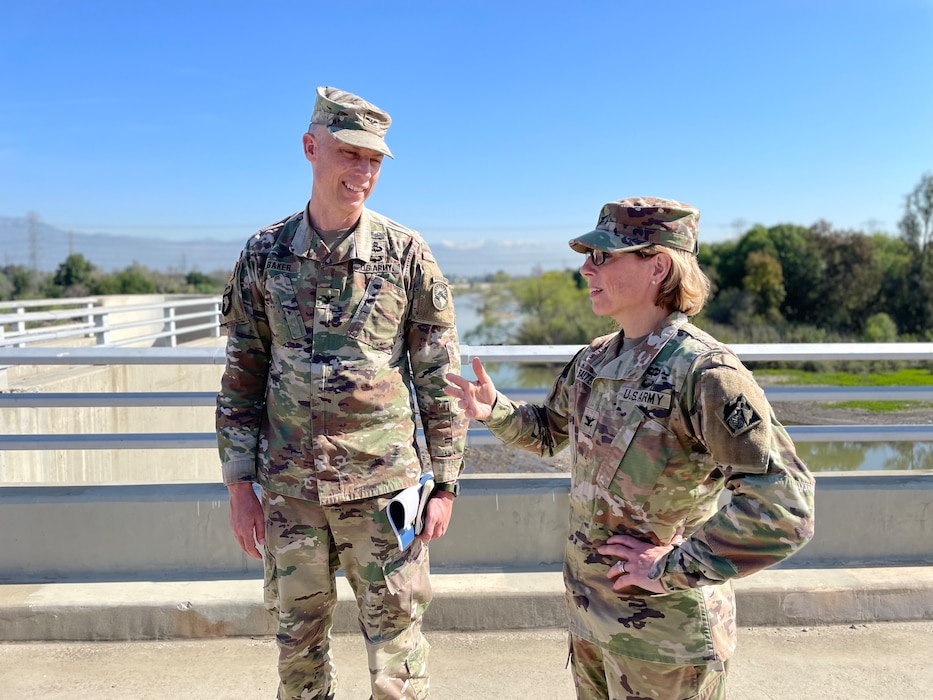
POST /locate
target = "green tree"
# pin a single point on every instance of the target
(75, 276)
(802, 269)
(897, 297)
(547, 308)
(25, 283)
(555, 311)
(917, 223)
(764, 279)
(732, 259)
(851, 283)
(76, 269)
(708, 257)
(494, 313)
(731, 307)
(200, 283)
(879, 328)
(133, 280)
(6, 286)
(916, 228)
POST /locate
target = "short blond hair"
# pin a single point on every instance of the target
(686, 287)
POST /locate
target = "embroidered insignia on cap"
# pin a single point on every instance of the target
(440, 296)
(740, 416)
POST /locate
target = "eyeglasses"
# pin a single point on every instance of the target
(600, 256)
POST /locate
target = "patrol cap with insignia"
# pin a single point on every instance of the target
(352, 119)
(631, 224)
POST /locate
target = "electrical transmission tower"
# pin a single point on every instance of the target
(32, 230)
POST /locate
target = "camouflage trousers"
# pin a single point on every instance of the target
(602, 675)
(306, 544)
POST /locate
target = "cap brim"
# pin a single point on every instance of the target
(609, 242)
(363, 139)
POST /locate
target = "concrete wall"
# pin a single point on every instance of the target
(124, 514)
(113, 466)
(116, 317)
(508, 522)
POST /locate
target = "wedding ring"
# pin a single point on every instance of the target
(621, 566)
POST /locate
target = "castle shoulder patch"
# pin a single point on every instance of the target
(739, 416)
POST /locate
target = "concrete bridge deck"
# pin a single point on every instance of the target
(819, 634)
(466, 602)
(878, 661)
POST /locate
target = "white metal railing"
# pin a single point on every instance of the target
(177, 317)
(488, 353)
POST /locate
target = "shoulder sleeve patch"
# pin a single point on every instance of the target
(433, 302)
(440, 295)
(740, 416)
(733, 419)
(232, 308)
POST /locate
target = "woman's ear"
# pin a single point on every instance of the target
(662, 266)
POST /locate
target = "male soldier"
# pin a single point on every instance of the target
(333, 315)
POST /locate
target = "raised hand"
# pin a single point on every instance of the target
(475, 398)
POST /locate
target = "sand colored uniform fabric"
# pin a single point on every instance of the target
(658, 433)
(323, 346)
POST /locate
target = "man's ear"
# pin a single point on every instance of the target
(309, 145)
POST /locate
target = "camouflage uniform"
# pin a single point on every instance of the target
(315, 405)
(658, 432)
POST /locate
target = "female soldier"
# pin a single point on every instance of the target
(661, 418)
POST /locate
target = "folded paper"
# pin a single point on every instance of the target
(406, 510)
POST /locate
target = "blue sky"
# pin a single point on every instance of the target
(513, 121)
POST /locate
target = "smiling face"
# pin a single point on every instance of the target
(344, 177)
(624, 288)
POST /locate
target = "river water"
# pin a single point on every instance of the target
(819, 456)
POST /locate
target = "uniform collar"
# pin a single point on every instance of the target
(357, 245)
(631, 365)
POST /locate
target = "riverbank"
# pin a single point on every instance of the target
(497, 459)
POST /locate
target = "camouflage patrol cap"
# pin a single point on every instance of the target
(352, 119)
(631, 224)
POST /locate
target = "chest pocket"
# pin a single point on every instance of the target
(378, 320)
(632, 445)
(285, 315)
(644, 450)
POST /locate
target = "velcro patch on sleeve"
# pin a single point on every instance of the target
(232, 310)
(739, 416)
(433, 300)
(440, 295)
(736, 419)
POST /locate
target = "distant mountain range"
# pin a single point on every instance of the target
(46, 247)
(460, 254)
